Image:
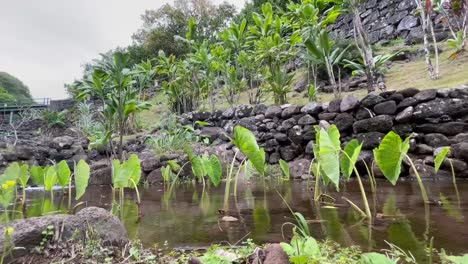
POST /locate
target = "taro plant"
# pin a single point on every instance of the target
(439, 159)
(389, 157)
(50, 180)
(246, 143)
(23, 178)
(204, 166)
(285, 169)
(127, 175)
(331, 161)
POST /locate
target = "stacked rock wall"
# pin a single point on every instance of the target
(386, 20)
(435, 118)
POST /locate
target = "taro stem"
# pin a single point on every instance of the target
(418, 177)
(228, 183)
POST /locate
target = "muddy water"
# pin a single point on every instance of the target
(189, 216)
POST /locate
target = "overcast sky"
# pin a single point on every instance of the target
(44, 43)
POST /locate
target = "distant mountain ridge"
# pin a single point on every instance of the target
(13, 87)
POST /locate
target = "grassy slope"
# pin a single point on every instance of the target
(400, 76)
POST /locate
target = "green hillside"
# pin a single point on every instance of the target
(12, 87)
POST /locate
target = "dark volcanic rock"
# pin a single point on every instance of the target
(385, 108)
(290, 111)
(363, 113)
(436, 140)
(440, 107)
(372, 99)
(382, 123)
(307, 120)
(405, 115)
(327, 116)
(460, 151)
(349, 103)
(334, 106)
(370, 140)
(409, 92)
(448, 129)
(313, 108)
(273, 111)
(289, 153)
(426, 95)
(344, 121)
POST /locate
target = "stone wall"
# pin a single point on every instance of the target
(436, 118)
(386, 20)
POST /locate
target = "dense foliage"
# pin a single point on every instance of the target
(12, 88)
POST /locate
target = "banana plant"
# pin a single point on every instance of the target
(358, 67)
(389, 157)
(322, 49)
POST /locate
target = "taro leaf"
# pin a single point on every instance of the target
(207, 170)
(11, 173)
(197, 166)
(458, 259)
(50, 178)
(440, 158)
(174, 166)
(348, 160)
(285, 168)
(23, 175)
(116, 171)
(216, 170)
(329, 154)
(166, 173)
(390, 154)
(37, 174)
(376, 258)
(133, 168)
(63, 173)
(245, 140)
(82, 172)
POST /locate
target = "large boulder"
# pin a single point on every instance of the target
(344, 121)
(385, 108)
(289, 111)
(273, 111)
(212, 133)
(60, 143)
(349, 103)
(448, 129)
(27, 233)
(313, 108)
(275, 255)
(382, 123)
(460, 151)
(439, 107)
(372, 99)
(370, 140)
(299, 169)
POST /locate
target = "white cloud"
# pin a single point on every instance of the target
(44, 43)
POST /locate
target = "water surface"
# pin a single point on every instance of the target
(189, 217)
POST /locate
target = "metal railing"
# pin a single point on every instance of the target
(25, 102)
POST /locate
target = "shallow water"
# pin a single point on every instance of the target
(189, 217)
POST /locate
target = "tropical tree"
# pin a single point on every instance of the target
(322, 49)
(272, 43)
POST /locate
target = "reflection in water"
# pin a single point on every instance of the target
(188, 215)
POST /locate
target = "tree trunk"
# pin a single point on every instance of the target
(425, 29)
(362, 41)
